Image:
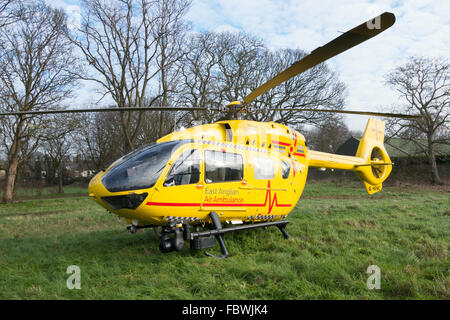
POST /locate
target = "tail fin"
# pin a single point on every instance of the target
(377, 165)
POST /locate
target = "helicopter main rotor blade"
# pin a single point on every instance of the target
(17, 113)
(365, 113)
(342, 43)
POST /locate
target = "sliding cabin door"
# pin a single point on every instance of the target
(181, 191)
(223, 177)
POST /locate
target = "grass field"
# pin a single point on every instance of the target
(26, 193)
(336, 233)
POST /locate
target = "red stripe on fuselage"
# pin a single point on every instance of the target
(281, 143)
(173, 204)
(299, 154)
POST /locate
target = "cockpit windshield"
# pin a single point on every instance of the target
(141, 169)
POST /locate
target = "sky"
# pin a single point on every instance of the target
(422, 28)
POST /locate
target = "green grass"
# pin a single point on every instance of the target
(336, 233)
(34, 192)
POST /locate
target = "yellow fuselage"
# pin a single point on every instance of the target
(249, 199)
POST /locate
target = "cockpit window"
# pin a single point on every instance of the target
(186, 170)
(285, 169)
(123, 158)
(142, 169)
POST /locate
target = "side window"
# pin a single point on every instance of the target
(285, 169)
(264, 168)
(223, 166)
(185, 170)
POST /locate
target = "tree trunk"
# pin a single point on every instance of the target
(10, 179)
(128, 143)
(161, 121)
(60, 179)
(435, 178)
(13, 163)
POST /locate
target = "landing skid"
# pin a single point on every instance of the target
(173, 236)
(205, 239)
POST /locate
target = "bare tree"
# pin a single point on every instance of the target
(169, 33)
(127, 43)
(9, 11)
(116, 40)
(317, 88)
(223, 67)
(57, 142)
(152, 127)
(200, 83)
(239, 60)
(25, 145)
(424, 86)
(327, 137)
(36, 66)
(97, 140)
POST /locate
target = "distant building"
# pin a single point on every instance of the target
(349, 147)
(87, 173)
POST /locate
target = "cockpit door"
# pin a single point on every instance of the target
(181, 191)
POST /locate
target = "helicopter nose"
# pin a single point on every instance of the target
(100, 194)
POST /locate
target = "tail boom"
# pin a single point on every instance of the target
(333, 161)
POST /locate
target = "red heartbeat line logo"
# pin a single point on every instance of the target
(272, 201)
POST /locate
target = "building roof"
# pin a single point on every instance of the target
(349, 147)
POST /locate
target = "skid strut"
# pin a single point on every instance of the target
(205, 239)
(216, 222)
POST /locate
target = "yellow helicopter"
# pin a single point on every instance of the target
(238, 173)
